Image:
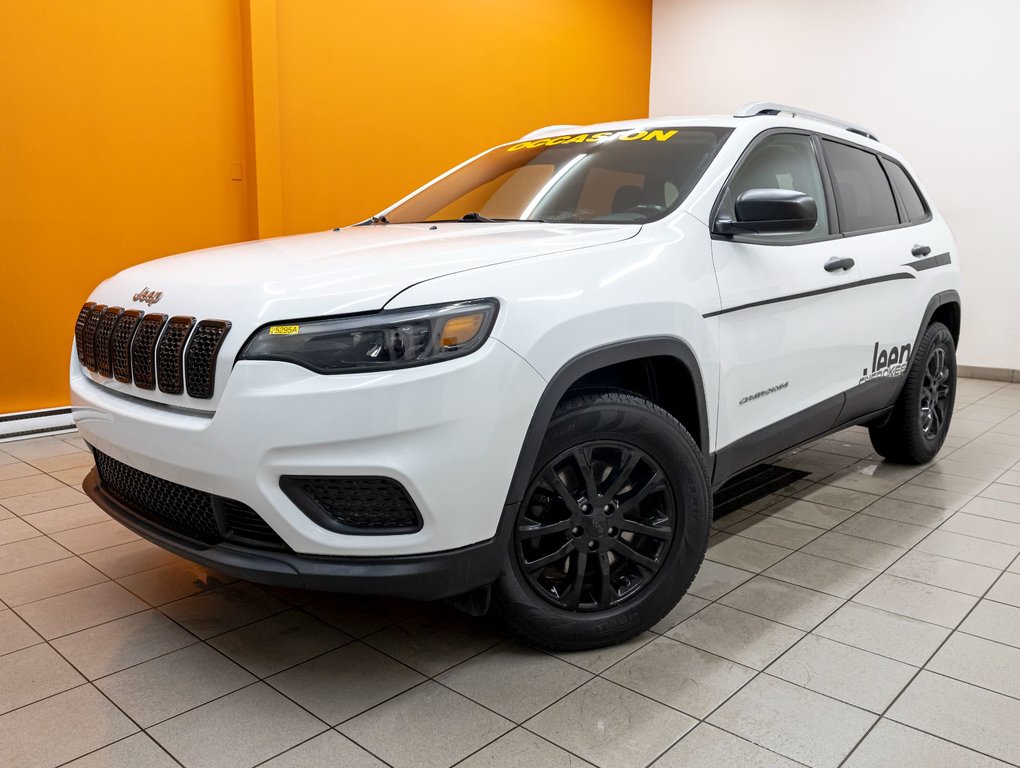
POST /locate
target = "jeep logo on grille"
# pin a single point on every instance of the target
(147, 296)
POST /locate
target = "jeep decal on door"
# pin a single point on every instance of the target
(887, 362)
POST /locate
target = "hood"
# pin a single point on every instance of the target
(357, 269)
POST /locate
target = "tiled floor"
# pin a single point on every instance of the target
(867, 616)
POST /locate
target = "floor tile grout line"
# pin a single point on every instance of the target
(924, 667)
(332, 729)
(81, 629)
(522, 728)
(940, 738)
(928, 584)
(68, 591)
(23, 515)
(148, 606)
(118, 741)
(985, 688)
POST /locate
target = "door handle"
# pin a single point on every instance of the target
(920, 250)
(836, 263)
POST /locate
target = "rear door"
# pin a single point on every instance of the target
(889, 230)
(787, 323)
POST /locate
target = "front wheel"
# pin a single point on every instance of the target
(613, 527)
(919, 423)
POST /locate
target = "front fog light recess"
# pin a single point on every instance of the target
(382, 341)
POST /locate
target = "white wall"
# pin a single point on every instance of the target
(939, 80)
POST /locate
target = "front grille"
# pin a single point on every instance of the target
(89, 336)
(101, 340)
(354, 504)
(200, 359)
(188, 512)
(143, 350)
(150, 351)
(170, 355)
(120, 344)
(79, 330)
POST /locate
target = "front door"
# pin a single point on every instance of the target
(788, 317)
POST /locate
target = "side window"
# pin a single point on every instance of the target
(780, 161)
(912, 201)
(863, 195)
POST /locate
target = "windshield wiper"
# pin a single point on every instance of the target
(473, 217)
(379, 220)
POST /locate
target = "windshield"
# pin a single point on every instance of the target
(621, 177)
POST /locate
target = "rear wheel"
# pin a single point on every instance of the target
(612, 529)
(919, 423)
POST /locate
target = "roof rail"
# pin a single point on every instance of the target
(769, 108)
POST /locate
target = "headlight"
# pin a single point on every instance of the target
(383, 341)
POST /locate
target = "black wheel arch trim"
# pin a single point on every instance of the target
(592, 360)
(936, 301)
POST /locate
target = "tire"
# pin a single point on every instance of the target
(919, 422)
(641, 514)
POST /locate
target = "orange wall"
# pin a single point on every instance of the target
(119, 121)
(377, 98)
(122, 124)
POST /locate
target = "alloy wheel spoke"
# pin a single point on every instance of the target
(552, 557)
(582, 458)
(624, 549)
(530, 531)
(551, 477)
(655, 483)
(606, 591)
(663, 531)
(581, 564)
(630, 462)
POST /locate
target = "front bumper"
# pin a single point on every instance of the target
(450, 433)
(417, 577)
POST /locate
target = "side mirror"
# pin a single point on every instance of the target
(768, 211)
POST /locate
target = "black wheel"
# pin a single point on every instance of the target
(612, 529)
(919, 423)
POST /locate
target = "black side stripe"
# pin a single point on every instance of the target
(806, 294)
(941, 260)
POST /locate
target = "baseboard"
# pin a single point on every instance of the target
(48, 421)
(989, 374)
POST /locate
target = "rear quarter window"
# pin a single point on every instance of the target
(914, 204)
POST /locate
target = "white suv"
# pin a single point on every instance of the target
(525, 379)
